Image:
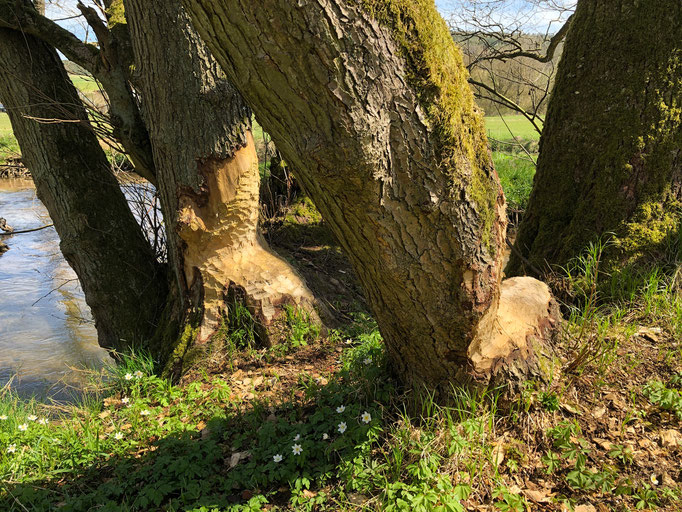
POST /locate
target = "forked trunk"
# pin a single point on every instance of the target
(123, 284)
(208, 175)
(610, 161)
(369, 102)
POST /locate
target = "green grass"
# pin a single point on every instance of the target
(5, 126)
(348, 442)
(516, 126)
(516, 173)
(84, 84)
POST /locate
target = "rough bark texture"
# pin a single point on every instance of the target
(208, 173)
(611, 151)
(99, 237)
(369, 102)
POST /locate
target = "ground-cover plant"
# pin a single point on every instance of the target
(322, 426)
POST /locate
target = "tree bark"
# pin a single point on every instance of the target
(610, 160)
(369, 102)
(208, 175)
(123, 284)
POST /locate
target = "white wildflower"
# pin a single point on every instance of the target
(277, 458)
(3, 418)
(23, 427)
(43, 421)
(298, 436)
(366, 417)
(325, 436)
(125, 400)
(368, 360)
(128, 376)
(297, 449)
(118, 436)
(145, 413)
(12, 448)
(342, 427)
(340, 408)
(32, 417)
(138, 374)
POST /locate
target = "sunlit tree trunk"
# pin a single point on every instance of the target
(369, 102)
(208, 175)
(610, 160)
(100, 238)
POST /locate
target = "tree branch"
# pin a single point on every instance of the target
(21, 15)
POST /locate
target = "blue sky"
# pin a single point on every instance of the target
(536, 20)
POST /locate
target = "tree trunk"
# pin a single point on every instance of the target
(369, 102)
(611, 152)
(100, 238)
(110, 63)
(208, 174)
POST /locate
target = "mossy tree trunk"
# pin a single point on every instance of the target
(611, 150)
(123, 284)
(369, 102)
(208, 175)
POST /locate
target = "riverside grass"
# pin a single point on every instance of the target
(322, 426)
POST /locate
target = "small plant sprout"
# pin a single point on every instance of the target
(325, 436)
(366, 417)
(12, 448)
(298, 437)
(32, 417)
(23, 427)
(138, 374)
(340, 408)
(43, 421)
(342, 427)
(278, 457)
(297, 449)
(118, 436)
(3, 417)
(145, 413)
(128, 376)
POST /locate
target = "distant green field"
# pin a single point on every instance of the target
(516, 126)
(5, 126)
(84, 84)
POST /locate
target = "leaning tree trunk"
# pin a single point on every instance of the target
(99, 236)
(611, 152)
(369, 101)
(208, 175)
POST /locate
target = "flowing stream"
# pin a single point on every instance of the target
(47, 335)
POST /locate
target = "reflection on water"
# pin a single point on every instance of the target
(46, 331)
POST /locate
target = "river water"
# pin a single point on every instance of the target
(46, 331)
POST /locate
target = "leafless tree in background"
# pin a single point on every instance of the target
(511, 49)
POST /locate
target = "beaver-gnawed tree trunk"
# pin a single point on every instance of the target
(208, 175)
(123, 284)
(611, 150)
(369, 102)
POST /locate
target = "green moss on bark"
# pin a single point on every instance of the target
(438, 77)
(610, 161)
